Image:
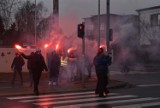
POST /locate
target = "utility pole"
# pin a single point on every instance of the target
(56, 12)
(99, 25)
(107, 24)
(35, 23)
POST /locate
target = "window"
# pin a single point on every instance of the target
(158, 19)
(154, 19)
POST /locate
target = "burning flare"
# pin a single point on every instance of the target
(102, 46)
(18, 47)
(46, 46)
(71, 49)
(57, 46)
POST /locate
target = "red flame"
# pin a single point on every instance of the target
(71, 49)
(57, 46)
(46, 46)
(102, 46)
(18, 47)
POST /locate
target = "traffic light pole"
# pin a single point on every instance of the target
(83, 57)
(83, 45)
(81, 34)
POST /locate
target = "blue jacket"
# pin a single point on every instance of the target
(102, 62)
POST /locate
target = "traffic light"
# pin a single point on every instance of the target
(81, 30)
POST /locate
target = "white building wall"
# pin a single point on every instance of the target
(7, 58)
(144, 35)
(148, 32)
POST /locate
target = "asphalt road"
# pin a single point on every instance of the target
(143, 92)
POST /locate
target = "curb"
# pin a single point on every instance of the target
(73, 87)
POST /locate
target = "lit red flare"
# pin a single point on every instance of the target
(70, 49)
(46, 46)
(102, 46)
(18, 47)
(57, 46)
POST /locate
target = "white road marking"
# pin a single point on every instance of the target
(71, 98)
(108, 102)
(83, 100)
(148, 85)
(86, 99)
(139, 105)
(52, 95)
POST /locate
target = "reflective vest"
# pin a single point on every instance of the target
(64, 61)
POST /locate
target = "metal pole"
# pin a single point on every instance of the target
(98, 23)
(83, 58)
(107, 24)
(56, 12)
(83, 42)
(35, 24)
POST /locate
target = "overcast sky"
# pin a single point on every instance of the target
(89, 7)
(77, 9)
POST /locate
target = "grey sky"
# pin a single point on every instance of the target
(89, 7)
(74, 10)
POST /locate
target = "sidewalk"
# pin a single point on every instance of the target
(137, 67)
(6, 89)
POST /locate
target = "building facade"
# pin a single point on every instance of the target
(149, 19)
(125, 32)
(117, 22)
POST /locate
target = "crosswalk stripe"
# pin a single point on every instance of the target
(86, 99)
(53, 95)
(62, 97)
(148, 85)
(107, 102)
(73, 98)
(48, 95)
(139, 105)
(83, 100)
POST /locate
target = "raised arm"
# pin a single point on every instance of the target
(26, 56)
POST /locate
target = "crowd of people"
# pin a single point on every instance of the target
(58, 64)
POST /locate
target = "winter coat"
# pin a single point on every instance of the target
(37, 62)
(54, 63)
(17, 63)
(102, 62)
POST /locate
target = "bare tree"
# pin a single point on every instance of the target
(7, 9)
(25, 19)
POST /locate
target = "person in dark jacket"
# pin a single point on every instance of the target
(16, 66)
(89, 65)
(54, 66)
(101, 62)
(37, 66)
(72, 66)
(30, 70)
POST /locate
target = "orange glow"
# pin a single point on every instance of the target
(46, 46)
(57, 46)
(71, 49)
(102, 46)
(18, 47)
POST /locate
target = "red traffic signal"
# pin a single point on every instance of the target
(81, 30)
